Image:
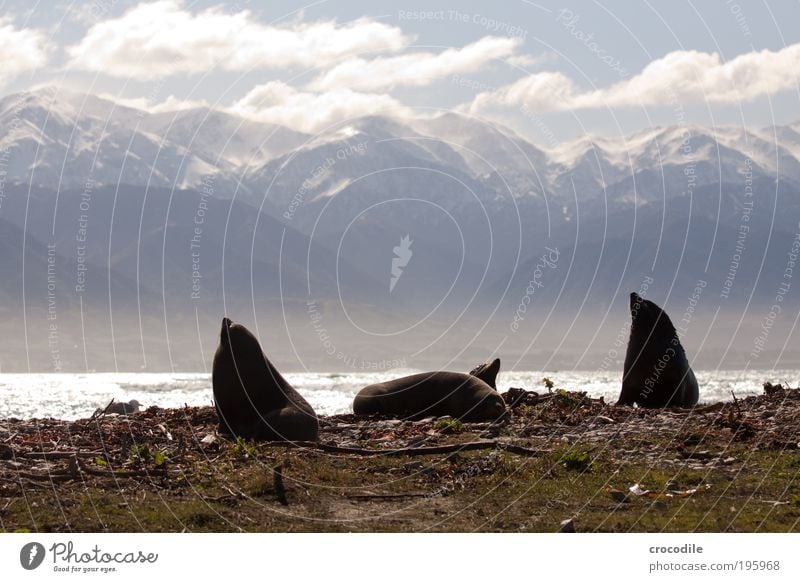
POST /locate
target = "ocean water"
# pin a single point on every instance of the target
(73, 396)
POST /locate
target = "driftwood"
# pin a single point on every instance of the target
(101, 413)
(61, 454)
(414, 451)
(54, 477)
(736, 403)
(78, 467)
(157, 472)
(277, 479)
(378, 496)
(21, 483)
(697, 409)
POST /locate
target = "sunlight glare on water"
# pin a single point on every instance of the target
(73, 396)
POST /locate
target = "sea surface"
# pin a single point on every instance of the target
(73, 396)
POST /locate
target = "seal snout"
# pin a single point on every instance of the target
(487, 372)
(497, 408)
(636, 302)
(224, 333)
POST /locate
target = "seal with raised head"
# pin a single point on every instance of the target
(468, 397)
(656, 372)
(252, 399)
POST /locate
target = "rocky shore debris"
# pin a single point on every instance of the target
(160, 448)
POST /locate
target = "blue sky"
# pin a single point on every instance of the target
(552, 71)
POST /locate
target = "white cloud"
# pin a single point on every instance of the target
(526, 60)
(171, 103)
(162, 38)
(414, 69)
(277, 102)
(21, 50)
(680, 76)
(540, 92)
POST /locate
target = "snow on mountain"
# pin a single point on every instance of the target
(493, 153)
(215, 135)
(58, 138)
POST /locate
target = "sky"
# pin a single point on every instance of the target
(550, 71)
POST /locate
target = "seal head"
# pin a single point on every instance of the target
(487, 372)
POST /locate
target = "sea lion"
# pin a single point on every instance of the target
(656, 372)
(487, 372)
(252, 399)
(463, 396)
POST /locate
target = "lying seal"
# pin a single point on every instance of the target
(464, 396)
(252, 399)
(487, 372)
(657, 373)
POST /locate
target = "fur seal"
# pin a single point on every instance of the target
(469, 397)
(656, 372)
(252, 399)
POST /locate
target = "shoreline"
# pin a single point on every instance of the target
(72, 397)
(561, 456)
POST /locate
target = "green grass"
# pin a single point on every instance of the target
(576, 461)
(449, 425)
(479, 490)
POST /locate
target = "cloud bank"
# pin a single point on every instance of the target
(163, 38)
(415, 69)
(680, 76)
(21, 50)
(277, 102)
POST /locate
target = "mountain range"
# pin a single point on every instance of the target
(144, 228)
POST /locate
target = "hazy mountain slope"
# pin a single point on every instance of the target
(287, 218)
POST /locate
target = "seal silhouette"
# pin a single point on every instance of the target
(252, 399)
(469, 397)
(656, 371)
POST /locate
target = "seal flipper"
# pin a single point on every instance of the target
(286, 424)
(673, 385)
(690, 391)
(630, 389)
(625, 398)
